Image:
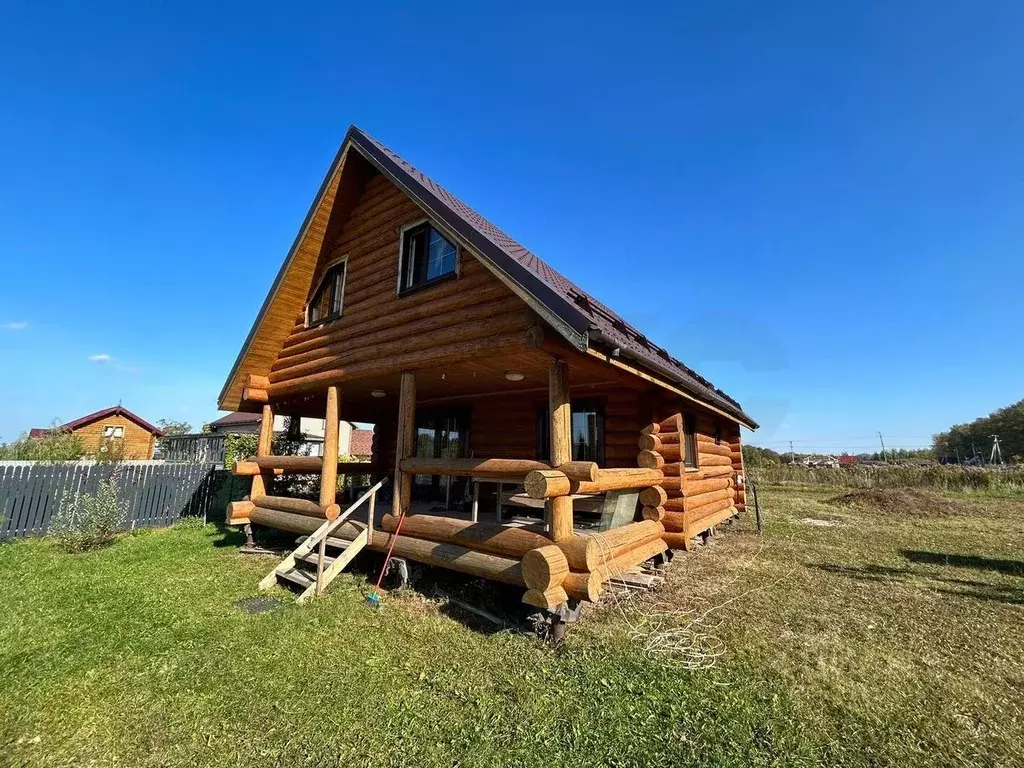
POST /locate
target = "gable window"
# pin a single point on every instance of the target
(111, 432)
(427, 256)
(329, 298)
(690, 436)
(587, 432)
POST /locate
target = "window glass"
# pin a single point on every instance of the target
(427, 255)
(587, 426)
(328, 300)
(689, 431)
(440, 256)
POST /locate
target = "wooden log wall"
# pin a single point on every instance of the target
(691, 499)
(381, 330)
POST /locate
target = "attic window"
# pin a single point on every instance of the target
(427, 257)
(329, 298)
(111, 432)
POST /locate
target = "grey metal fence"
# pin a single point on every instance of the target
(157, 493)
(200, 448)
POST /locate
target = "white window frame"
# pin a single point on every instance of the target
(113, 429)
(323, 276)
(401, 252)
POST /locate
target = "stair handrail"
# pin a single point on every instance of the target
(323, 532)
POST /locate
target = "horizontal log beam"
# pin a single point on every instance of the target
(550, 483)
(473, 467)
(711, 460)
(717, 450)
(710, 521)
(410, 361)
(299, 507)
(720, 471)
(632, 558)
(698, 487)
(455, 558)
(618, 540)
(484, 537)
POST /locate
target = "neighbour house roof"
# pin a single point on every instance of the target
(579, 317)
(234, 419)
(106, 413)
(361, 443)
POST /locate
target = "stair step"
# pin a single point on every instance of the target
(313, 558)
(296, 577)
(338, 543)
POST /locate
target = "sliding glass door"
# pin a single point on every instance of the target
(441, 433)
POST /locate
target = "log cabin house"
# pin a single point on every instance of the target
(531, 435)
(114, 428)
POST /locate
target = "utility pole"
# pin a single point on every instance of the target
(997, 452)
(883, 445)
(792, 456)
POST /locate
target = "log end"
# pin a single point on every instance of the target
(650, 460)
(654, 513)
(551, 598)
(545, 483)
(238, 512)
(654, 496)
(545, 567)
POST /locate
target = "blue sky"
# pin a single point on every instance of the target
(829, 195)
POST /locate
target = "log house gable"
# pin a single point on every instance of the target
(583, 321)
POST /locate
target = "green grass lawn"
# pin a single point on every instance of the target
(878, 639)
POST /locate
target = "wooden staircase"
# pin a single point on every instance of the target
(309, 567)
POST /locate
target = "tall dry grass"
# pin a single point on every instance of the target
(994, 480)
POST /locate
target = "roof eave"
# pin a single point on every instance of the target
(669, 375)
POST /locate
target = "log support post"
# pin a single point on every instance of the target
(329, 472)
(263, 448)
(559, 508)
(405, 443)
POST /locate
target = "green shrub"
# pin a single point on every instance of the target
(88, 521)
(55, 445)
(238, 447)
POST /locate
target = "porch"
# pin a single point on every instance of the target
(590, 504)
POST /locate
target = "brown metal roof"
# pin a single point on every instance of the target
(236, 418)
(586, 319)
(116, 410)
(361, 443)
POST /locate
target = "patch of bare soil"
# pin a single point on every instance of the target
(903, 501)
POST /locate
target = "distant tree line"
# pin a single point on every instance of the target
(973, 442)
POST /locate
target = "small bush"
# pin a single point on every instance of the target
(55, 445)
(89, 521)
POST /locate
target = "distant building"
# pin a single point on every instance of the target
(115, 426)
(352, 441)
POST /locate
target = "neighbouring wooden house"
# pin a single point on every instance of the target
(531, 435)
(114, 428)
(308, 432)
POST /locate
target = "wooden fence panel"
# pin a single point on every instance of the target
(155, 493)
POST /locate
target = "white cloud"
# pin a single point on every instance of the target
(18, 326)
(102, 358)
